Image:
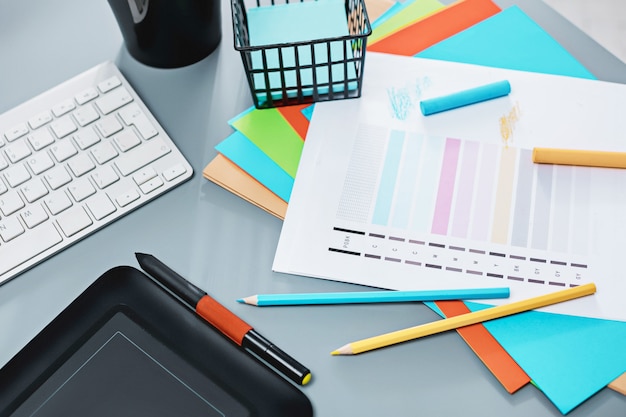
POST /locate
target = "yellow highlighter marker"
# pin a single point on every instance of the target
(462, 320)
(602, 159)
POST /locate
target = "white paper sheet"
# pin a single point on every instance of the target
(386, 197)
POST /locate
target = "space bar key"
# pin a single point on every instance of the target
(141, 156)
(19, 251)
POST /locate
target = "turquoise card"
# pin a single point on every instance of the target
(247, 156)
(511, 40)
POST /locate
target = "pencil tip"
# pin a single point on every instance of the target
(251, 300)
(241, 300)
(344, 350)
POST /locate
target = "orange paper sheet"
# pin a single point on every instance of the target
(294, 116)
(375, 8)
(619, 384)
(436, 27)
(487, 348)
(229, 176)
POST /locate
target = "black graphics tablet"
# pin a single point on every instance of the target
(126, 347)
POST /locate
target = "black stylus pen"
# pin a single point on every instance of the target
(224, 320)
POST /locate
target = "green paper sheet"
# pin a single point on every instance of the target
(273, 135)
(408, 14)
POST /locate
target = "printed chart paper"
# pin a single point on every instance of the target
(388, 198)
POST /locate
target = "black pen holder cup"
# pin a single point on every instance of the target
(169, 33)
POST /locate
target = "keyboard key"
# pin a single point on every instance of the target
(86, 95)
(105, 176)
(63, 127)
(142, 156)
(40, 162)
(39, 120)
(40, 139)
(86, 138)
(10, 228)
(73, 221)
(16, 175)
(103, 152)
(133, 116)
(86, 115)
(63, 150)
(126, 140)
(100, 206)
(81, 189)
(127, 197)
(63, 107)
(151, 185)
(34, 215)
(113, 100)
(41, 238)
(109, 84)
(16, 132)
(34, 190)
(57, 177)
(174, 172)
(10, 202)
(80, 165)
(109, 126)
(58, 202)
(144, 175)
(17, 151)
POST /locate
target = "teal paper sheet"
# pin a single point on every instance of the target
(511, 40)
(245, 154)
(568, 358)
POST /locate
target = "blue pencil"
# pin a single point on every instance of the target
(373, 297)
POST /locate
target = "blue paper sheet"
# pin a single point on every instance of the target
(245, 154)
(511, 40)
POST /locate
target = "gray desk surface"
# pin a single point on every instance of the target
(226, 245)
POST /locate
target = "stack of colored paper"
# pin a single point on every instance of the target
(259, 161)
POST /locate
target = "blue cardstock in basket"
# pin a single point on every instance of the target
(300, 22)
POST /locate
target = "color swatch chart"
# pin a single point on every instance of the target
(446, 203)
(388, 198)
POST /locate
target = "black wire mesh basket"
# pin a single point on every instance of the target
(284, 73)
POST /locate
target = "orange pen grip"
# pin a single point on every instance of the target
(223, 319)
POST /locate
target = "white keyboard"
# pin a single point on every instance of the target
(74, 159)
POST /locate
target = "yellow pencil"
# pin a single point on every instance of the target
(480, 316)
(602, 159)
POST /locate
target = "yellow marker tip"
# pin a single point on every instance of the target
(306, 379)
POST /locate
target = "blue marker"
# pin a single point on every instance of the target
(464, 98)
